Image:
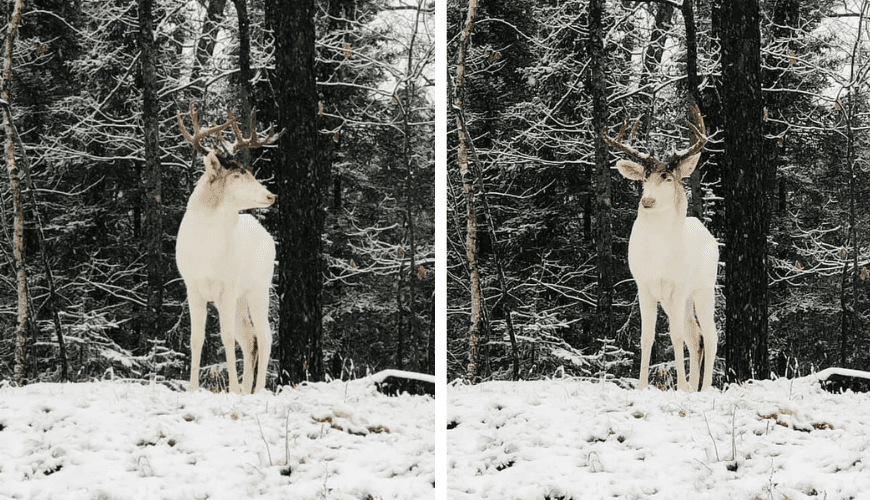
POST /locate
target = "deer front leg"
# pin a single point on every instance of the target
(676, 310)
(245, 336)
(692, 335)
(227, 312)
(648, 312)
(198, 310)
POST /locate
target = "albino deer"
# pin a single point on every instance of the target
(226, 258)
(672, 257)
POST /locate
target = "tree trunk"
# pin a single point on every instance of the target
(15, 186)
(694, 87)
(745, 201)
(468, 186)
(299, 177)
(214, 16)
(652, 56)
(153, 203)
(246, 90)
(603, 229)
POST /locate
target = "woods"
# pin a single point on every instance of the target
(93, 91)
(783, 88)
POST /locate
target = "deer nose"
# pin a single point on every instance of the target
(647, 202)
(271, 197)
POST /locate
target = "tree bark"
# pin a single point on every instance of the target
(468, 187)
(15, 186)
(214, 16)
(694, 88)
(299, 176)
(246, 90)
(152, 180)
(745, 201)
(603, 228)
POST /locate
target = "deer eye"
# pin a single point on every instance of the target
(665, 176)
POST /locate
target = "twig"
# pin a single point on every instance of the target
(287, 439)
(268, 452)
(733, 438)
(715, 448)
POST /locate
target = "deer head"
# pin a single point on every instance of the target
(660, 177)
(225, 181)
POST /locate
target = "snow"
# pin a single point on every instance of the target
(573, 439)
(121, 440)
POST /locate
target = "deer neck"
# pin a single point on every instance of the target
(665, 222)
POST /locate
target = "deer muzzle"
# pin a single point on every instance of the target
(647, 202)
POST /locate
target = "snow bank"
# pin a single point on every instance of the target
(111, 440)
(571, 439)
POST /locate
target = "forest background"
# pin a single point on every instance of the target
(556, 301)
(114, 303)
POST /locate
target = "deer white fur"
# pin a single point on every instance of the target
(228, 259)
(673, 259)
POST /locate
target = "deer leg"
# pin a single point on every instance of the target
(648, 312)
(692, 334)
(676, 310)
(198, 311)
(245, 336)
(258, 304)
(705, 304)
(227, 313)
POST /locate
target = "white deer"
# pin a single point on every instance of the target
(226, 258)
(672, 257)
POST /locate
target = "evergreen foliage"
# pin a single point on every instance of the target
(77, 103)
(529, 111)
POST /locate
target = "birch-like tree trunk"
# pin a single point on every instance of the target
(15, 186)
(468, 189)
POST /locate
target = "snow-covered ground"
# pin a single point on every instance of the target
(122, 440)
(572, 439)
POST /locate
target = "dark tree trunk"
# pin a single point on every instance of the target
(299, 176)
(603, 229)
(246, 90)
(214, 16)
(745, 198)
(152, 185)
(694, 87)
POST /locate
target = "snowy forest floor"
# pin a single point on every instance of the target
(121, 440)
(572, 439)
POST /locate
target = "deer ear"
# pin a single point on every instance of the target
(212, 166)
(687, 166)
(630, 170)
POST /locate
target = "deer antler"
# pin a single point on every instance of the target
(199, 135)
(254, 140)
(646, 160)
(699, 133)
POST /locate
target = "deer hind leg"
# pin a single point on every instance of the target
(705, 306)
(258, 305)
(198, 311)
(692, 334)
(246, 336)
(648, 313)
(227, 312)
(676, 310)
